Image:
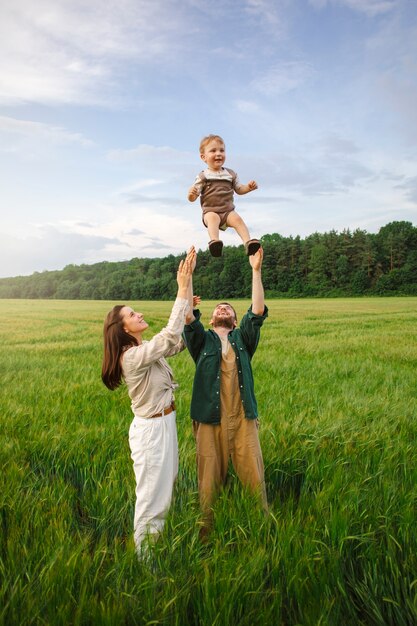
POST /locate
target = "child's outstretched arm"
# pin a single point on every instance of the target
(193, 193)
(243, 189)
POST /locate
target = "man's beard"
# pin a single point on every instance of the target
(224, 322)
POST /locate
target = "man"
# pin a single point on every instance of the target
(223, 405)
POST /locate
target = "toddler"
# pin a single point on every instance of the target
(215, 186)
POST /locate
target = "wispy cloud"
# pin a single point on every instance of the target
(41, 131)
(148, 160)
(391, 70)
(334, 144)
(54, 245)
(333, 166)
(73, 52)
(283, 77)
(148, 153)
(245, 106)
(269, 11)
(51, 248)
(369, 7)
(410, 187)
(139, 200)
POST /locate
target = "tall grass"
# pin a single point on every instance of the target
(336, 388)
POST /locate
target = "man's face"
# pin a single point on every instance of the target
(223, 315)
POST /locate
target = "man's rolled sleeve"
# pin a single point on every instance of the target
(194, 335)
(250, 328)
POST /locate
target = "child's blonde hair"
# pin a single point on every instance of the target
(206, 140)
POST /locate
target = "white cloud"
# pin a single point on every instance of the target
(269, 11)
(54, 245)
(173, 167)
(283, 77)
(331, 166)
(369, 7)
(245, 106)
(148, 183)
(72, 51)
(390, 69)
(334, 144)
(148, 153)
(410, 187)
(49, 249)
(134, 229)
(41, 131)
(38, 61)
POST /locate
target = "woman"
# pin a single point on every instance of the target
(150, 383)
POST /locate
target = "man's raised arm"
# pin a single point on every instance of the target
(258, 297)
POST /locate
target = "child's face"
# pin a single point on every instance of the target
(214, 154)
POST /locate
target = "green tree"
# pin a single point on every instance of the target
(360, 282)
(395, 239)
(342, 271)
(318, 276)
(232, 277)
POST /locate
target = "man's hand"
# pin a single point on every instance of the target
(256, 259)
(192, 257)
(190, 317)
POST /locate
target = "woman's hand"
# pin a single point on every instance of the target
(185, 272)
(192, 257)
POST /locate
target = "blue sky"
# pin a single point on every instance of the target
(103, 105)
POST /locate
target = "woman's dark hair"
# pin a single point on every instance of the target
(116, 340)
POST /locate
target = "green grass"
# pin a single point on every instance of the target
(336, 388)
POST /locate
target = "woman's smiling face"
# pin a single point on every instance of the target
(132, 322)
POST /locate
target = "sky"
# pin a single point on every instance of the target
(103, 106)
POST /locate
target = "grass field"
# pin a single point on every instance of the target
(336, 387)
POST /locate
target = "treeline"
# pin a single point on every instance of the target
(329, 264)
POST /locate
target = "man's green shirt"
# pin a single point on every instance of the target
(206, 350)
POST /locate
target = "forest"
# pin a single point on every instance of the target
(332, 264)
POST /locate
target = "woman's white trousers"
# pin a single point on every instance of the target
(154, 450)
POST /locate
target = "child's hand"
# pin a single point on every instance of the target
(252, 185)
(196, 301)
(192, 193)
